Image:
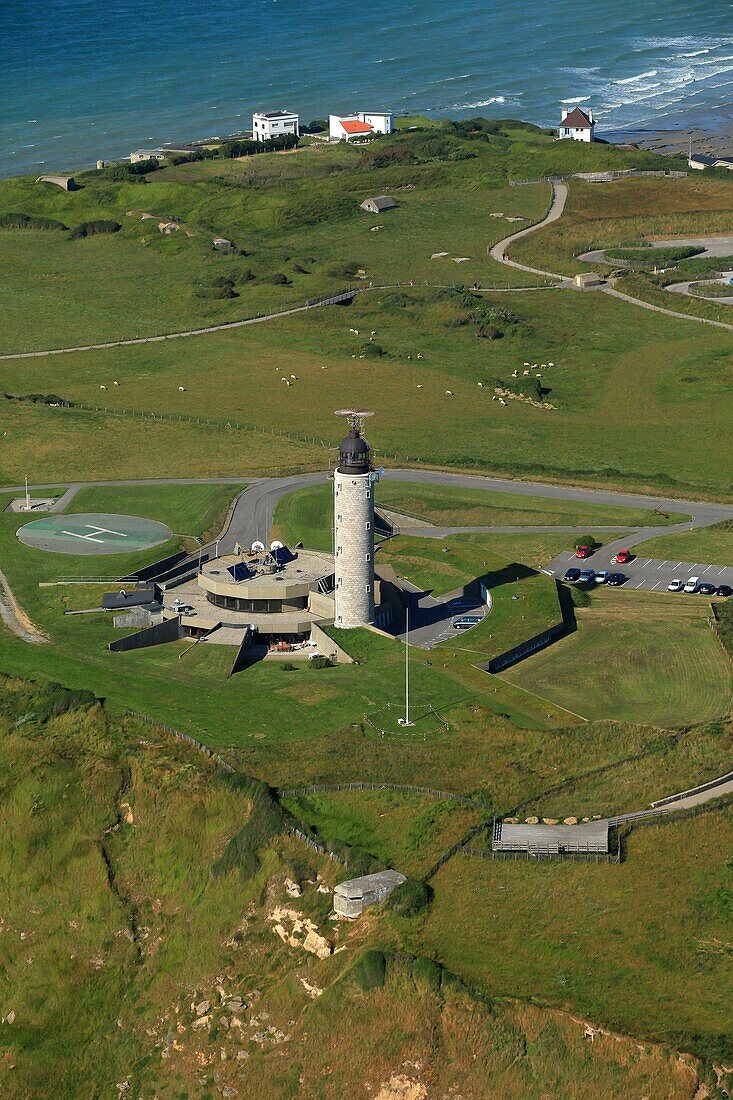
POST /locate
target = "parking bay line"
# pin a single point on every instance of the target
(661, 564)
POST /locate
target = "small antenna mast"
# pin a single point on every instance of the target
(355, 417)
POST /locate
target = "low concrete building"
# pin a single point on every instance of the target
(700, 161)
(351, 898)
(587, 280)
(360, 125)
(577, 124)
(547, 841)
(66, 183)
(378, 204)
(267, 125)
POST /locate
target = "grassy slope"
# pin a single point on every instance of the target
(624, 417)
(635, 653)
(91, 1007)
(407, 831)
(621, 943)
(711, 544)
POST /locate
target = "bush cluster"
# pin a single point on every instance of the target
(14, 220)
(724, 624)
(410, 898)
(56, 700)
(92, 228)
(38, 398)
(265, 822)
(659, 257)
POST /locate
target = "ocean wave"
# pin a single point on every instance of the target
(478, 103)
(576, 99)
(639, 76)
(696, 53)
(451, 79)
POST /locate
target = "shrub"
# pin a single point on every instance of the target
(29, 221)
(426, 971)
(93, 228)
(659, 257)
(279, 279)
(39, 398)
(578, 597)
(370, 971)
(56, 700)
(586, 540)
(216, 292)
(724, 624)
(288, 666)
(409, 898)
(372, 351)
(264, 823)
(489, 332)
(320, 662)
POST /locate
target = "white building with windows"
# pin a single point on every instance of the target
(360, 125)
(267, 125)
(577, 124)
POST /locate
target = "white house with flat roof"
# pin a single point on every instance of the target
(360, 125)
(577, 124)
(267, 125)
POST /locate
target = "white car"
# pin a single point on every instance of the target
(676, 586)
(692, 585)
(602, 576)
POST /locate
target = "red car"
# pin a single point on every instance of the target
(583, 552)
(622, 557)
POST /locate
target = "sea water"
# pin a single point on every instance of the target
(88, 79)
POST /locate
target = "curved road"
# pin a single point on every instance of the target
(499, 252)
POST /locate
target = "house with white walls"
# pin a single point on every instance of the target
(274, 124)
(360, 125)
(577, 124)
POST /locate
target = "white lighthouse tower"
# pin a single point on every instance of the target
(353, 498)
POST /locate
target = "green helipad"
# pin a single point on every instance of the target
(93, 533)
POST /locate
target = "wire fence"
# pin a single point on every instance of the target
(223, 425)
(319, 788)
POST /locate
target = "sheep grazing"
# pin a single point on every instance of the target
(543, 365)
(103, 387)
(502, 402)
(525, 374)
(526, 364)
(494, 398)
(551, 364)
(419, 385)
(294, 377)
(480, 385)
(515, 374)
(115, 383)
(449, 393)
(419, 355)
(181, 389)
(373, 332)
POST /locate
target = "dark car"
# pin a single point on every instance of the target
(571, 575)
(617, 579)
(724, 590)
(706, 589)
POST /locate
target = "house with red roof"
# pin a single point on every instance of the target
(360, 126)
(577, 124)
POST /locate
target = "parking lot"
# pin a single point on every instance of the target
(652, 574)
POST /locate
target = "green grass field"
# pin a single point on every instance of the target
(115, 927)
(617, 423)
(306, 515)
(407, 831)
(644, 940)
(710, 544)
(635, 652)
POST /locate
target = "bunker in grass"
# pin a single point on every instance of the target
(93, 533)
